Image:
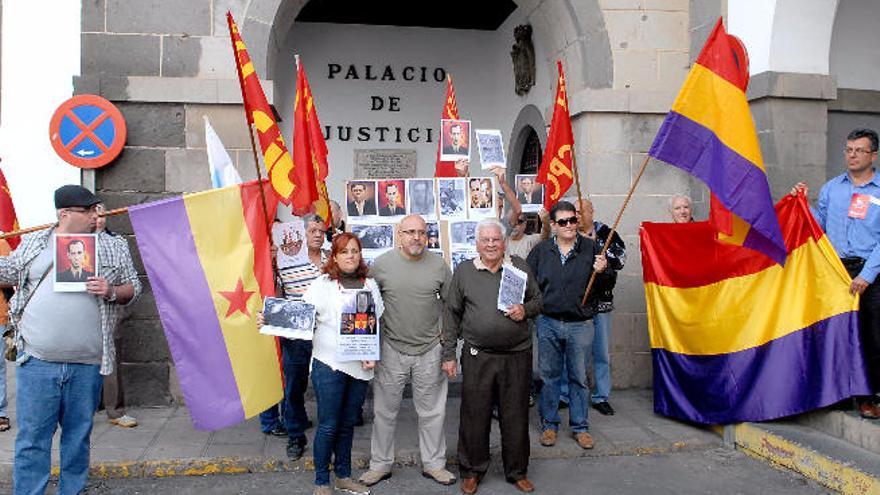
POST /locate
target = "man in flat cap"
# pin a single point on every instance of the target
(64, 342)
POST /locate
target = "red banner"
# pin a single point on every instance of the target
(555, 171)
(450, 111)
(309, 152)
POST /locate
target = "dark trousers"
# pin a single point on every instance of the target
(508, 377)
(295, 358)
(869, 322)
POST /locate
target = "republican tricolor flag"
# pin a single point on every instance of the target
(207, 257)
(710, 134)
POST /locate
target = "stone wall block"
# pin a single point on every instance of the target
(667, 5)
(237, 7)
(154, 124)
(633, 266)
(666, 30)
(187, 170)
(245, 165)
(629, 294)
(146, 384)
(621, 4)
(120, 55)
(115, 199)
(635, 69)
(228, 121)
(180, 56)
(136, 169)
(625, 28)
(192, 17)
(92, 20)
(659, 177)
(145, 306)
(621, 328)
(142, 341)
(672, 69)
(631, 370)
(256, 36)
(605, 173)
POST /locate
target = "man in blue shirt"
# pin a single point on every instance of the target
(849, 211)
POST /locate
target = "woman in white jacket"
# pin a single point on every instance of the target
(340, 386)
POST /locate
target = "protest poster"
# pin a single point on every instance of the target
(513, 287)
(491, 148)
(289, 238)
(358, 336)
(288, 319)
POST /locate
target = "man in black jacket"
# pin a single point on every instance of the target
(562, 266)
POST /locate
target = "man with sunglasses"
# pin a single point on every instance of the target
(64, 342)
(413, 282)
(562, 266)
(849, 211)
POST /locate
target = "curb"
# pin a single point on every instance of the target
(245, 465)
(780, 452)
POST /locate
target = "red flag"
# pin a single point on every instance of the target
(309, 152)
(259, 113)
(8, 218)
(450, 111)
(555, 171)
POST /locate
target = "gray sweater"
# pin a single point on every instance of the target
(471, 311)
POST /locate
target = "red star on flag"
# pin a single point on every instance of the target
(237, 299)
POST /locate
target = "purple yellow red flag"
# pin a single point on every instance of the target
(259, 114)
(709, 133)
(450, 111)
(557, 164)
(737, 337)
(8, 218)
(207, 257)
(310, 166)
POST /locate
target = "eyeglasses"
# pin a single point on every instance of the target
(858, 151)
(83, 210)
(414, 233)
(562, 222)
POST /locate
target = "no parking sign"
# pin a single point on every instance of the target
(87, 131)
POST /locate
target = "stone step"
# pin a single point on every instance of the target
(828, 460)
(845, 425)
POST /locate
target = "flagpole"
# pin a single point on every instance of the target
(6, 235)
(577, 180)
(616, 223)
(260, 181)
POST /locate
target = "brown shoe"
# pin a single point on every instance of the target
(548, 438)
(524, 485)
(469, 485)
(584, 440)
(869, 411)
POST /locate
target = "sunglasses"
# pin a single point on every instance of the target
(562, 222)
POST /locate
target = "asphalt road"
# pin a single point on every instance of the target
(716, 471)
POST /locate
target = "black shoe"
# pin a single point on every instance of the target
(277, 431)
(295, 448)
(563, 404)
(604, 408)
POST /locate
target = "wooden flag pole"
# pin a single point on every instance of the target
(117, 211)
(616, 223)
(577, 180)
(260, 181)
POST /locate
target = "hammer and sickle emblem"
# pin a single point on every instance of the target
(557, 169)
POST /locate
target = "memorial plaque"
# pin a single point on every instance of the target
(384, 164)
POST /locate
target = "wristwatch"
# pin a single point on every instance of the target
(112, 297)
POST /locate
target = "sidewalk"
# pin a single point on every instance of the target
(165, 443)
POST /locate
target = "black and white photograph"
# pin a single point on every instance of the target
(513, 287)
(420, 194)
(360, 198)
(451, 193)
(491, 148)
(463, 234)
(379, 236)
(288, 319)
(529, 192)
(433, 230)
(481, 197)
(289, 238)
(459, 256)
(455, 140)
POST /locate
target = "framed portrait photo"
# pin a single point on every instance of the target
(455, 140)
(76, 259)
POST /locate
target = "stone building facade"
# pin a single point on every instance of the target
(167, 63)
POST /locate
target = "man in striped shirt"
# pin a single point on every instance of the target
(296, 354)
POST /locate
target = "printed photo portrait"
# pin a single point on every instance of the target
(359, 314)
(420, 193)
(391, 198)
(481, 193)
(491, 148)
(455, 140)
(433, 235)
(360, 198)
(452, 198)
(529, 192)
(374, 236)
(76, 259)
(463, 233)
(460, 256)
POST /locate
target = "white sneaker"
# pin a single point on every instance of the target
(124, 421)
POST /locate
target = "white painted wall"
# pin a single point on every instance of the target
(41, 54)
(752, 22)
(855, 59)
(479, 62)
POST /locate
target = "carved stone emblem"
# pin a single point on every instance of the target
(523, 55)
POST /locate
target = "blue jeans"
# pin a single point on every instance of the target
(340, 398)
(601, 369)
(47, 395)
(564, 343)
(3, 400)
(295, 357)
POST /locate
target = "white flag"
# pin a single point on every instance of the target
(223, 172)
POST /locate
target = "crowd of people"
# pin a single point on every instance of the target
(551, 349)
